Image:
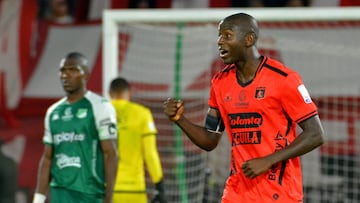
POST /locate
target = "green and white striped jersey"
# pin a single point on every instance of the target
(75, 131)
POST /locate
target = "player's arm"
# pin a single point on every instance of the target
(110, 164)
(107, 129)
(206, 137)
(310, 138)
(153, 165)
(152, 159)
(43, 177)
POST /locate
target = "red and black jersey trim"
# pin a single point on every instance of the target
(228, 68)
(216, 108)
(225, 70)
(307, 116)
(275, 69)
(264, 64)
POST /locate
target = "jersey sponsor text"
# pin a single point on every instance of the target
(245, 120)
(251, 137)
(68, 137)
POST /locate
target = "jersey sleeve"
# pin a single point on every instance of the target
(151, 155)
(296, 99)
(149, 125)
(47, 138)
(212, 97)
(152, 159)
(105, 118)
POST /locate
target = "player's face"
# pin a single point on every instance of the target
(230, 42)
(72, 75)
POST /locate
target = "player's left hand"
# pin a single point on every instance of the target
(254, 167)
(160, 195)
(159, 198)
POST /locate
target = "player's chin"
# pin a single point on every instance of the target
(68, 89)
(227, 61)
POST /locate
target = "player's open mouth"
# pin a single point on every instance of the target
(65, 83)
(223, 52)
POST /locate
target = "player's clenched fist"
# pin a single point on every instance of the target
(173, 109)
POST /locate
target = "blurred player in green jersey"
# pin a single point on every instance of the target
(80, 157)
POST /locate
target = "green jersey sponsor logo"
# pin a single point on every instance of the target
(66, 161)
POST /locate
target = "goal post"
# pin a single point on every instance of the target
(114, 16)
(173, 53)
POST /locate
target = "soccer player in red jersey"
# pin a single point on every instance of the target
(259, 101)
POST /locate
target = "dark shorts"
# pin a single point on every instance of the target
(62, 195)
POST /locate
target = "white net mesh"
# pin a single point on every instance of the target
(150, 55)
(165, 60)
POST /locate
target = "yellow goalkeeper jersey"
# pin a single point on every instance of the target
(136, 147)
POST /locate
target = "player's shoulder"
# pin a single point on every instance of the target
(99, 104)
(56, 104)
(226, 71)
(96, 99)
(277, 67)
(139, 107)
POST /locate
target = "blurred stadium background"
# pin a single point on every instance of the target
(170, 58)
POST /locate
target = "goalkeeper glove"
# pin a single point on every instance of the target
(160, 196)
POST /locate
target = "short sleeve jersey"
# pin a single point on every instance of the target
(136, 147)
(260, 118)
(75, 132)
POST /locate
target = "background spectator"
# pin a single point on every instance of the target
(8, 177)
(56, 11)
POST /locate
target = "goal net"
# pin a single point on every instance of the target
(173, 53)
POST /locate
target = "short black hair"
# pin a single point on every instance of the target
(245, 22)
(239, 16)
(119, 84)
(75, 55)
(80, 58)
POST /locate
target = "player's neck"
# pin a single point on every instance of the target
(73, 97)
(246, 71)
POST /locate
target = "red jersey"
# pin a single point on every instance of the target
(260, 117)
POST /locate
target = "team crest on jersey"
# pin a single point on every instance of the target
(260, 92)
(81, 113)
(67, 114)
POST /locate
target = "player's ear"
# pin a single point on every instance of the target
(110, 94)
(250, 39)
(129, 94)
(86, 73)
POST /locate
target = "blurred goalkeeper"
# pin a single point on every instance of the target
(136, 146)
(260, 102)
